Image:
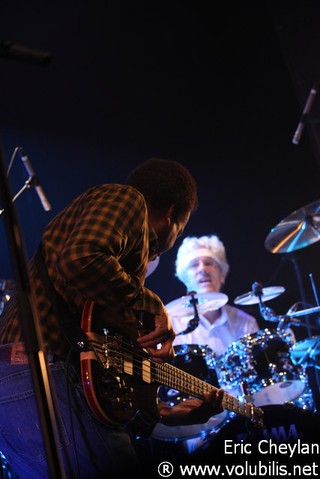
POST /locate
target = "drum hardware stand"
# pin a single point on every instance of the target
(286, 320)
(267, 313)
(293, 259)
(194, 322)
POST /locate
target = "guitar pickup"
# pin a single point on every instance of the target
(117, 354)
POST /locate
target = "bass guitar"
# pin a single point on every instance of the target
(121, 381)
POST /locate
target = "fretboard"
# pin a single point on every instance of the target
(175, 378)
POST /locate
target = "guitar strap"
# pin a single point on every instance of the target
(68, 321)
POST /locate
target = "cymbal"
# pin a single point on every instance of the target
(306, 352)
(300, 229)
(268, 293)
(183, 307)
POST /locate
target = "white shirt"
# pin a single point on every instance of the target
(233, 324)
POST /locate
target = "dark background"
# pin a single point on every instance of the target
(219, 89)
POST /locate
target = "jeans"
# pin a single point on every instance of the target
(88, 448)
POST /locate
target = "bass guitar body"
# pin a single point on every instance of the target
(121, 381)
(116, 377)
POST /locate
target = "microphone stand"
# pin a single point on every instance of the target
(26, 186)
(31, 331)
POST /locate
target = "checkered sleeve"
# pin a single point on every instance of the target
(104, 254)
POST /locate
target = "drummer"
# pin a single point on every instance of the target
(202, 266)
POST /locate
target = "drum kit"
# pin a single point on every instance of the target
(268, 367)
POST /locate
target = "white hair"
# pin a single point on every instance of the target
(193, 247)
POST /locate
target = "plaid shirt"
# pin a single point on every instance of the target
(97, 248)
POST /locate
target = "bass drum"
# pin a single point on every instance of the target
(260, 365)
(198, 361)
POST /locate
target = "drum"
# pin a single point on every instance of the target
(307, 352)
(260, 366)
(198, 361)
